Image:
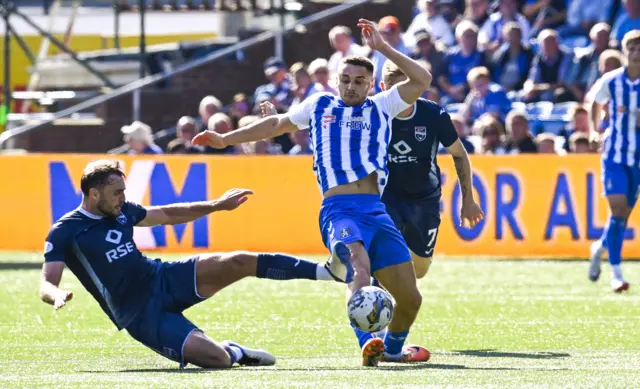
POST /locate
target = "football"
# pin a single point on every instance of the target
(370, 309)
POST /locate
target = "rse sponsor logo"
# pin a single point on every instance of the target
(403, 149)
(145, 179)
(120, 251)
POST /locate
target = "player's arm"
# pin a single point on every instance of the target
(180, 213)
(418, 78)
(601, 97)
(49, 281)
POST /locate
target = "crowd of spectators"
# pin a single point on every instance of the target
(515, 75)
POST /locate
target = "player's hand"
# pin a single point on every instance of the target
(232, 199)
(209, 138)
(61, 299)
(268, 109)
(371, 35)
(470, 214)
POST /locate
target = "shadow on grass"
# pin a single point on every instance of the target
(20, 265)
(492, 353)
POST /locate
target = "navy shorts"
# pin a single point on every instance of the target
(160, 325)
(418, 221)
(352, 218)
(619, 179)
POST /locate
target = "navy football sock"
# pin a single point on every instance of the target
(362, 336)
(615, 236)
(285, 267)
(235, 353)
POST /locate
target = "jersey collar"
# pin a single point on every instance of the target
(88, 214)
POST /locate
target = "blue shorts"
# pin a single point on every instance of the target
(352, 218)
(418, 221)
(161, 326)
(621, 179)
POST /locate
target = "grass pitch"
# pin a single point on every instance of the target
(504, 324)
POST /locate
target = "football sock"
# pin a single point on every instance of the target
(362, 336)
(394, 341)
(615, 236)
(235, 353)
(617, 272)
(285, 267)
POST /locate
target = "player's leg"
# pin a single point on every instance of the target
(421, 265)
(202, 351)
(421, 233)
(215, 271)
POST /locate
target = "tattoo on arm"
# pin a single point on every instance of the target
(463, 178)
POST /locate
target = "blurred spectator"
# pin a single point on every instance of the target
(319, 71)
(430, 51)
(491, 133)
(579, 143)
(451, 14)
(582, 15)
(484, 97)
(546, 142)
(186, 129)
(303, 86)
(341, 40)
(392, 34)
(431, 21)
(548, 72)
(222, 124)
(463, 133)
(545, 14)
(609, 60)
(628, 20)
(511, 63)
(209, 106)
(477, 11)
(262, 147)
(301, 142)
(279, 86)
(490, 36)
(459, 61)
(579, 123)
(519, 137)
(139, 137)
(239, 108)
(584, 69)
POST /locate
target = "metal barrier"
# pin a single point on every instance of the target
(150, 80)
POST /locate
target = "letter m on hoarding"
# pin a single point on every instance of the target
(162, 192)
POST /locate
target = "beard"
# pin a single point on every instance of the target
(106, 210)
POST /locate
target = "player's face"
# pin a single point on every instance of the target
(111, 198)
(354, 84)
(633, 53)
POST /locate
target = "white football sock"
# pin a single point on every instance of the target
(237, 352)
(617, 272)
(322, 274)
(391, 357)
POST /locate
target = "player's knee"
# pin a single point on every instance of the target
(410, 301)
(422, 266)
(240, 262)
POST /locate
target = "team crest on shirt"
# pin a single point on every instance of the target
(345, 232)
(421, 133)
(122, 219)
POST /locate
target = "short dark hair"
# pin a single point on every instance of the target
(97, 173)
(357, 60)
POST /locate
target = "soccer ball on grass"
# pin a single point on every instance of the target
(370, 309)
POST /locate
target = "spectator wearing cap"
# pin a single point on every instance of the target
(511, 63)
(429, 51)
(490, 36)
(545, 14)
(279, 86)
(548, 75)
(209, 106)
(476, 11)
(186, 129)
(584, 69)
(485, 97)
(303, 86)
(519, 137)
(432, 21)
(392, 34)
(459, 60)
(139, 137)
(319, 71)
(451, 13)
(341, 40)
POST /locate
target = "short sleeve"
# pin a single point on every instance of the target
(390, 102)
(55, 244)
(135, 212)
(447, 134)
(601, 93)
(301, 113)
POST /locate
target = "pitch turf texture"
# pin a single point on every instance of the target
(504, 324)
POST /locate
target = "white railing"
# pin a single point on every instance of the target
(146, 81)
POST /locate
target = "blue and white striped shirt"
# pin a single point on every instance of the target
(349, 142)
(621, 138)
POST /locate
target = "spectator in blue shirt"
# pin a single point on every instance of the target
(279, 87)
(511, 63)
(485, 97)
(301, 142)
(459, 61)
(582, 15)
(584, 69)
(628, 20)
(490, 36)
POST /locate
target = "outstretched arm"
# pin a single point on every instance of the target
(49, 281)
(188, 212)
(418, 78)
(262, 129)
(470, 212)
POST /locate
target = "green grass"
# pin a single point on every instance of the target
(487, 323)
